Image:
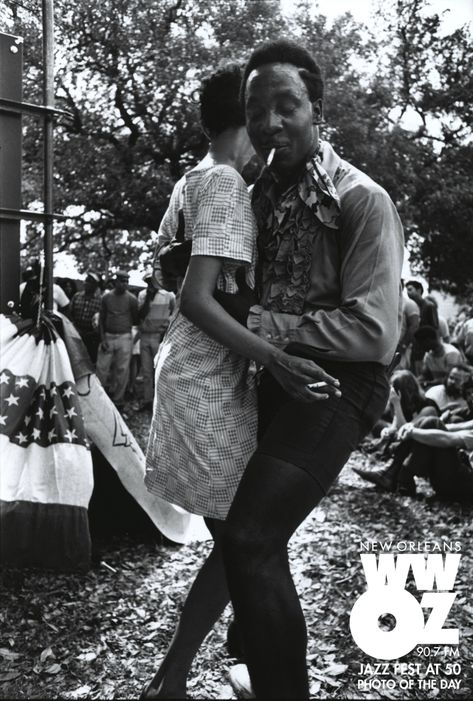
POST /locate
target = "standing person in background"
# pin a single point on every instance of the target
(30, 292)
(118, 313)
(444, 331)
(428, 317)
(84, 307)
(155, 308)
(409, 325)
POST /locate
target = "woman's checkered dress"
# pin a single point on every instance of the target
(204, 420)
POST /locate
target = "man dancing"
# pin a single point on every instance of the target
(330, 257)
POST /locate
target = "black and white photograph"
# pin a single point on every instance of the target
(236, 349)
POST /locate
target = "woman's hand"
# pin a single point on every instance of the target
(296, 374)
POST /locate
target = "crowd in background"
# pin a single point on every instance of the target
(427, 420)
(121, 328)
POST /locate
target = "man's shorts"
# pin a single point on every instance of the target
(319, 436)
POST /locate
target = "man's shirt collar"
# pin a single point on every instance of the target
(315, 186)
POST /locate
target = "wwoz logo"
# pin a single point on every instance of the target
(386, 578)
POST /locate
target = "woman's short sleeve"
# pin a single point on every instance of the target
(224, 225)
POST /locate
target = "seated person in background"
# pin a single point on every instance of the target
(441, 452)
(464, 413)
(463, 336)
(449, 395)
(439, 357)
(407, 402)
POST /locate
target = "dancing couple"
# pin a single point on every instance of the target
(302, 280)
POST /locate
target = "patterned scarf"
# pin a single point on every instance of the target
(287, 225)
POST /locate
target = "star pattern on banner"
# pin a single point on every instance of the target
(39, 414)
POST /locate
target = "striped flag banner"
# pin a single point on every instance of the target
(106, 428)
(46, 476)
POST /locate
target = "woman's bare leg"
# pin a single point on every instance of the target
(204, 604)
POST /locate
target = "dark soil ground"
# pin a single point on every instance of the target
(102, 634)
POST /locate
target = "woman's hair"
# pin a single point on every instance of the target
(286, 51)
(220, 106)
(410, 391)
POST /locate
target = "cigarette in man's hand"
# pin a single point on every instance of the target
(270, 157)
(318, 385)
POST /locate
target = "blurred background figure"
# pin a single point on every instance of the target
(118, 314)
(449, 395)
(84, 306)
(428, 317)
(30, 292)
(409, 325)
(444, 331)
(463, 335)
(438, 357)
(155, 308)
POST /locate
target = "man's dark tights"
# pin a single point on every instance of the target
(274, 497)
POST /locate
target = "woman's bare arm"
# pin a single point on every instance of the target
(200, 307)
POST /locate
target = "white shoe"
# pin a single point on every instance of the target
(240, 682)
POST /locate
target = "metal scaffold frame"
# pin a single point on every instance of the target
(12, 108)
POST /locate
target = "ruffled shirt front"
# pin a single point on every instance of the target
(330, 251)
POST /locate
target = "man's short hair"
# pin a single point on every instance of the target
(426, 333)
(463, 367)
(286, 51)
(220, 106)
(417, 285)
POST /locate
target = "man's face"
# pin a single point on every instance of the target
(413, 292)
(280, 115)
(90, 285)
(456, 379)
(121, 283)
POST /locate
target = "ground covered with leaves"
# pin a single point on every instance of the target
(102, 634)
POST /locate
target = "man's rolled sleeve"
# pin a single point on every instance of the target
(365, 326)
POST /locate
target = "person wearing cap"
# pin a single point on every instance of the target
(155, 307)
(29, 292)
(118, 313)
(84, 306)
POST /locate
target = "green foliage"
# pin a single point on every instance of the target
(128, 71)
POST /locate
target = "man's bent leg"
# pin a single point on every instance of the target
(276, 493)
(273, 499)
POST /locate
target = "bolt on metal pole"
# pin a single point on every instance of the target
(48, 101)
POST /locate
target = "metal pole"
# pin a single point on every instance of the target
(48, 101)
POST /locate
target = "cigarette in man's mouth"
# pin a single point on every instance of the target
(270, 157)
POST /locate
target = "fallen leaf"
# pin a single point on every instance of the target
(47, 652)
(9, 676)
(53, 669)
